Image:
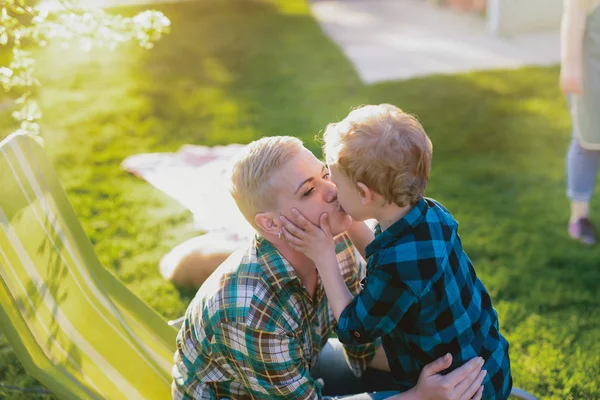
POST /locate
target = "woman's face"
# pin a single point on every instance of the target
(304, 183)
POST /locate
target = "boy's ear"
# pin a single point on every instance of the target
(366, 194)
(268, 222)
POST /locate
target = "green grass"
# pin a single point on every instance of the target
(235, 71)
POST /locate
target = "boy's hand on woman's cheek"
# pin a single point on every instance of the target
(304, 236)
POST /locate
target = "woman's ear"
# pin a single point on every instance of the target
(268, 222)
(366, 194)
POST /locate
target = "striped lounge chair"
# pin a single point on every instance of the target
(73, 325)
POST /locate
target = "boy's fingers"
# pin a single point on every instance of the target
(438, 365)
(290, 237)
(300, 220)
(456, 376)
(325, 224)
(291, 227)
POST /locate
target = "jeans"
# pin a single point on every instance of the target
(340, 382)
(582, 167)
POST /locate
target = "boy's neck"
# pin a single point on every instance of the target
(389, 214)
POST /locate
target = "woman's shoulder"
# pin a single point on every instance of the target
(232, 282)
(342, 242)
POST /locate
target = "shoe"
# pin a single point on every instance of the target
(582, 230)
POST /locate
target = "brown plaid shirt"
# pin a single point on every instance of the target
(253, 331)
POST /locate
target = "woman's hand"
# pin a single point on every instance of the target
(463, 383)
(304, 236)
(571, 80)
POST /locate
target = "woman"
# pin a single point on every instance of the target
(580, 81)
(259, 327)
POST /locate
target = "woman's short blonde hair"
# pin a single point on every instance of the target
(384, 148)
(251, 185)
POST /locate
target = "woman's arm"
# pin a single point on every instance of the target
(571, 41)
(361, 235)
(380, 361)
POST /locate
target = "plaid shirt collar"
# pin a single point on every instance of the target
(278, 271)
(410, 221)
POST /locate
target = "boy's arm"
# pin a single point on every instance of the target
(377, 308)
(361, 235)
(336, 290)
(380, 306)
(317, 243)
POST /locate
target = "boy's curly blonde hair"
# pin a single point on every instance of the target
(384, 148)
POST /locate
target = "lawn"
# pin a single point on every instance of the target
(234, 71)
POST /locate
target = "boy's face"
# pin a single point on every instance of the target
(348, 195)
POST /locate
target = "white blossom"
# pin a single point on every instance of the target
(61, 22)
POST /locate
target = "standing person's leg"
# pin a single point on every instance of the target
(582, 168)
(340, 381)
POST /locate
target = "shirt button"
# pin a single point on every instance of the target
(356, 334)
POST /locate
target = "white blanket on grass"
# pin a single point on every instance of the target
(198, 178)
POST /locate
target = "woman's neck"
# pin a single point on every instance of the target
(303, 266)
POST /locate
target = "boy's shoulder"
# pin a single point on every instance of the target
(438, 209)
(416, 255)
(408, 263)
(438, 223)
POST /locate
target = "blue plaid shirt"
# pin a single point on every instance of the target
(421, 295)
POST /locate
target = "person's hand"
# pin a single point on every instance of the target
(571, 80)
(463, 383)
(308, 238)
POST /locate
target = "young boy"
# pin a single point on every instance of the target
(420, 294)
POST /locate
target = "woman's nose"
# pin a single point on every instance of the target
(330, 192)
